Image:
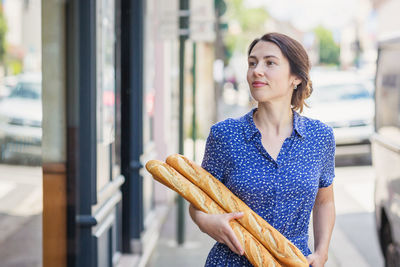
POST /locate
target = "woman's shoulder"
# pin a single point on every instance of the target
(227, 127)
(319, 133)
(317, 128)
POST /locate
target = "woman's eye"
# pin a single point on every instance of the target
(252, 64)
(270, 63)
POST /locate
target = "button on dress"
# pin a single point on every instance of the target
(281, 191)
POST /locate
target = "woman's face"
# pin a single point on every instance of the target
(269, 74)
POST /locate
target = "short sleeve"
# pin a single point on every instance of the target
(214, 160)
(328, 170)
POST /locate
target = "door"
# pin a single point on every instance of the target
(94, 180)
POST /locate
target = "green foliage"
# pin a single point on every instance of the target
(329, 51)
(245, 25)
(3, 30)
(14, 66)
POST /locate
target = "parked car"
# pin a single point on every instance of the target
(21, 120)
(344, 100)
(7, 84)
(386, 150)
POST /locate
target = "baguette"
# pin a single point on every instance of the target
(285, 252)
(256, 253)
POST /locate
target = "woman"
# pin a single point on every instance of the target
(281, 164)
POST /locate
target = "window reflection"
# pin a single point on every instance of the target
(20, 133)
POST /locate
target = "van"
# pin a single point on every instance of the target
(385, 148)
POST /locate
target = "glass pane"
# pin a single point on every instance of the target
(105, 90)
(20, 133)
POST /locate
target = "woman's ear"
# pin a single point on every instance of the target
(297, 81)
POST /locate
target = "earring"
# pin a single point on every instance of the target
(295, 87)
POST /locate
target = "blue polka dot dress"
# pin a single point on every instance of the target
(281, 191)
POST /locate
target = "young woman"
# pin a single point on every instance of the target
(281, 164)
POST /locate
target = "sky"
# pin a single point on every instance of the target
(307, 14)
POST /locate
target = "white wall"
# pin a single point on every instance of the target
(24, 30)
(388, 18)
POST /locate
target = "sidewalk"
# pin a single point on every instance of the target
(194, 251)
(197, 246)
(20, 216)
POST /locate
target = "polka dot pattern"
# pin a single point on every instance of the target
(281, 191)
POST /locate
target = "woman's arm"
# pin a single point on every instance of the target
(323, 221)
(217, 226)
(215, 162)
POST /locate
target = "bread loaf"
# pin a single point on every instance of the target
(285, 252)
(256, 253)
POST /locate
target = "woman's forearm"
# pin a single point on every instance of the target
(324, 216)
(217, 226)
(196, 215)
(323, 221)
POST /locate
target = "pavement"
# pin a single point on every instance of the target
(20, 216)
(192, 253)
(354, 240)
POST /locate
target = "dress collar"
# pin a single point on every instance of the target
(251, 129)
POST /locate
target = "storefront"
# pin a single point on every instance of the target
(110, 103)
(96, 191)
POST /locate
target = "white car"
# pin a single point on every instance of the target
(344, 101)
(21, 118)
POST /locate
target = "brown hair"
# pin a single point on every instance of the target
(298, 61)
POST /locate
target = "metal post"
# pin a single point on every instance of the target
(132, 145)
(220, 9)
(194, 134)
(183, 35)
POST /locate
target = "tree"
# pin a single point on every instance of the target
(329, 51)
(245, 24)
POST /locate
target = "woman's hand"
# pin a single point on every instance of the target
(217, 226)
(316, 260)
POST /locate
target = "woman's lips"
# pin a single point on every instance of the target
(258, 84)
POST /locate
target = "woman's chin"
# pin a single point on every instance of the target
(260, 97)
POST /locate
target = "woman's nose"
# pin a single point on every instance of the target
(258, 71)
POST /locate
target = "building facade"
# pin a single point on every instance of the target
(110, 104)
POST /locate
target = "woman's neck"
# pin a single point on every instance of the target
(274, 120)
